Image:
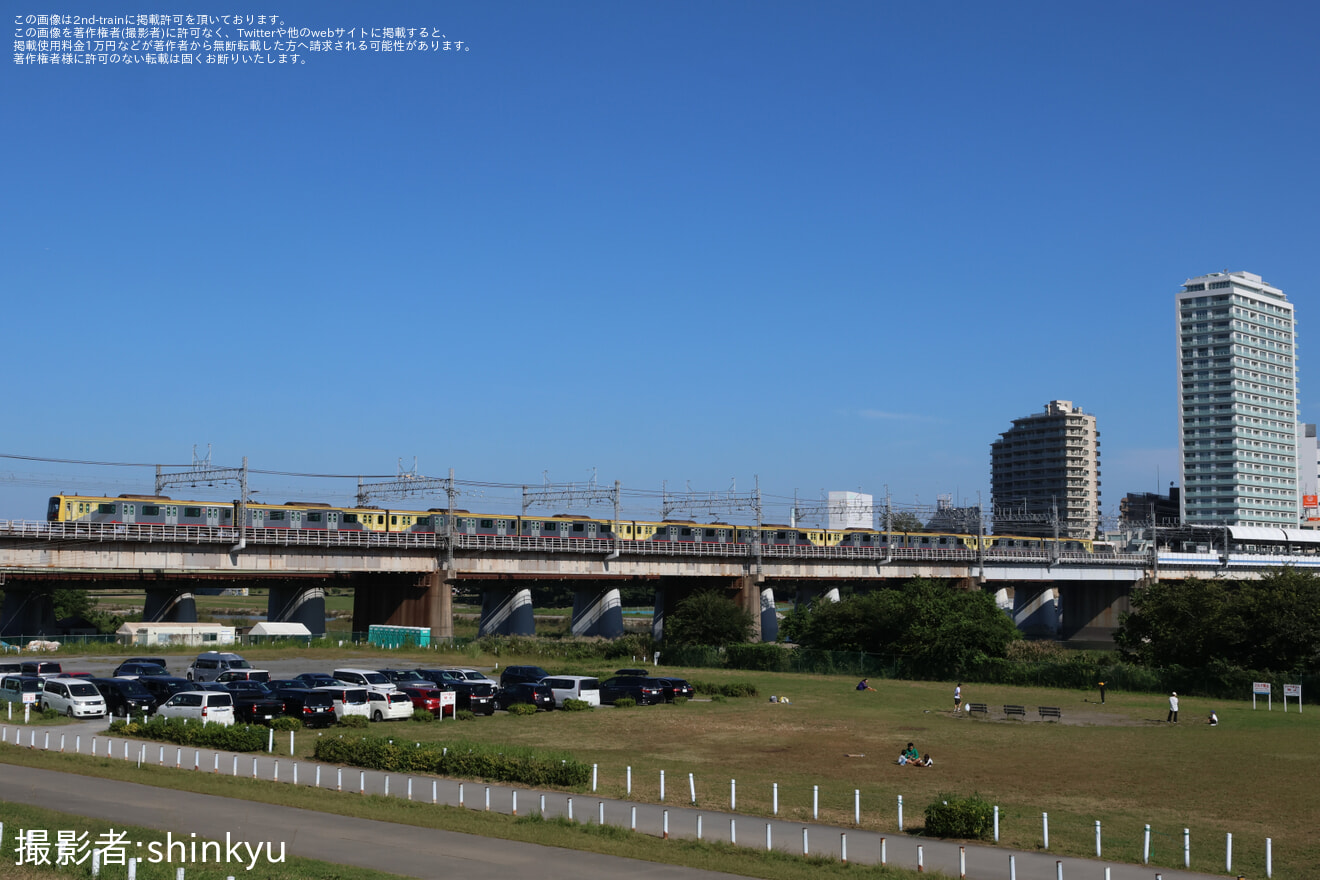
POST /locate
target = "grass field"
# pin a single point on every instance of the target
(1118, 763)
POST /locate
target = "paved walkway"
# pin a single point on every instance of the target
(148, 808)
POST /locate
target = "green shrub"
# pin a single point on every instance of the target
(679, 699)
(522, 709)
(717, 698)
(738, 689)
(465, 715)
(422, 715)
(456, 758)
(237, 738)
(970, 818)
(286, 724)
(48, 714)
(625, 703)
(353, 721)
(571, 705)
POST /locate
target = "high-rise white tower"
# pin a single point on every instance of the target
(1237, 402)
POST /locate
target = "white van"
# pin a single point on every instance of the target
(392, 706)
(74, 697)
(210, 664)
(573, 687)
(348, 700)
(366, 678)
(209, 707)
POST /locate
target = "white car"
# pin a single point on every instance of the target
(394, 706)
(365, 678)
(73, 697)
(348, 700)
(208, 707)
(574, 687)
(474, 675)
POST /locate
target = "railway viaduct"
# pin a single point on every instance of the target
(408, 579)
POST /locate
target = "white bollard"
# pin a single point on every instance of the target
(733, 831)
(593, 777)
(996, 824)
(178, 875)
(270, 741)
(662, 786)
(515, 802)
(27, 713)
(600, 813)
(160, 756)
(290, 741)
(387, 785)
(664, 825)
(77, 742)
(96, 863)
(815, 802)
(962, 863)
(769, 839)
(633, 820)
(61, 742)
(884, 855)
(775, 801)
(295, 777)
(93, 745)
(339, 779)
(515, 794)
(1058, 870)
(1097, 838)
(488, 799)
(215, 767)
(1012, 868)
(698, 826)
(921, 860)
(362, 782)
(318, 776)
(733, 796)
(45, 744)
(1269, 857)
(235, 765)
(132, 869)
(843, 847)
(805, 849)
(1228, 854)
(1145, 847)
(125, 753)
(1187, 847)
(1045, 828)
(900, 812)
(629, 784)
(570, 813)
(542, 806)
(692, 789)
(178, 758)
(197, 759)
(857, 806)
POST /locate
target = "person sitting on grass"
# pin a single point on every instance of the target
(864, 685)
(1213, 720)
(927, 761)
(910, 755)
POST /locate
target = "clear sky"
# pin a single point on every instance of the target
(838, 246)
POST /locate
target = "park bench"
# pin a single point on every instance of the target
(1050, 712)
(982, 708)
(1020, 711)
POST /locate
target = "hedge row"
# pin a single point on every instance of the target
(725, 689)
(458, 758)
(234, 738)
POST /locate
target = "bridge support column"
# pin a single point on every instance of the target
(26, 613)
(298, 603)
(658, 615)
(1091, 609)
(1036, 610)
(169, 603)
(748, 598)
(769, 616)
(597, 612)
(506, 611)
(403, 600)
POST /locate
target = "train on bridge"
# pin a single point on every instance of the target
(161, 510)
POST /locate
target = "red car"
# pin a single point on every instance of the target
(423, 697)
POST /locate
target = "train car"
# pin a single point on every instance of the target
(932, 541)
(570, 526)
(777, 535)
(683, 531)
(138, 510)
(314, 515)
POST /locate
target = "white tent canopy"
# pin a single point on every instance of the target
(278, 628)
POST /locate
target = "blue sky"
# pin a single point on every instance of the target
(838, 246)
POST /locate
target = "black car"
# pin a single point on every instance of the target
(139, 667)
(155, 661)
(642, 672)
(522, 674)
(253, 702)
(162, 687)
(537, 695)
(124, 696)
(318, 679)
(312, 708)
(676, 687)
(645, 691)
(279, 684)
(476, 696)
(401, 677)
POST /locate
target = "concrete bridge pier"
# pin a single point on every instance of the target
(769, 616)
(507, 611)
(403, 600)
(597, 612)
(298, 603)
(1036, 610)
(1091, 609)
(169, 603)
(748, 597)
(26, 612)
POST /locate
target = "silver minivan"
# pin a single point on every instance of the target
(208, 666)
(74, 697)
(573, 687)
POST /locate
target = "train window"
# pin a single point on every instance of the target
(487, 524)
(313, 517)
(627, 530)
(380, 518)
(685, 532)
(577, 527)
(192, 511)
(228, 514)
(276, 515)
(350, 517)
(105, 508)
(150, 510)
(394, 520)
